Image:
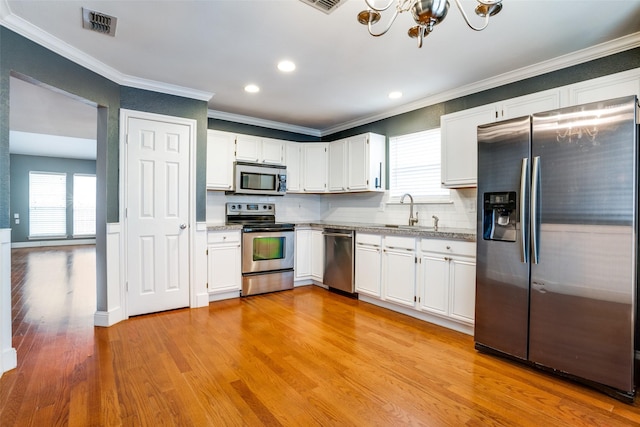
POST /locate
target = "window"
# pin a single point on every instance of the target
(47, 204)
(84, 205)
(414, 167)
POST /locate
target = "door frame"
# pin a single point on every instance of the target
(125, 115)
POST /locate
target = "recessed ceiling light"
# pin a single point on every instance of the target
(395, 95)
(251, 88)
(286, 66)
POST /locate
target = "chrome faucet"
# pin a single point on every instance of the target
(435, 222)
(412, 220)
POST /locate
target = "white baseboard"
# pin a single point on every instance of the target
(8, 356)
(9, 360)
(440, 321)
(41, 243)
(108, 318)
(224, 295)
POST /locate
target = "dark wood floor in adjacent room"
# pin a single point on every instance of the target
(294, 358)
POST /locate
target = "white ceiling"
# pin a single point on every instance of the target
(212, 49)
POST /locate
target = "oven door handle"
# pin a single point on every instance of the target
(266, 230)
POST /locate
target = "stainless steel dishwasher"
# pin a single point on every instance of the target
(339, 260)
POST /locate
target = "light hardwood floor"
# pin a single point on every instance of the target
(294, 358)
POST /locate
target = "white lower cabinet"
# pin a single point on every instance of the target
(368, 264)
(446, 277)
(317, 255)
(303, 254)
(224, 275)
(398, 270)
(309, 257)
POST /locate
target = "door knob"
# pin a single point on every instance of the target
(183, 226)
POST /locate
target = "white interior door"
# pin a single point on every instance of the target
(157, 213)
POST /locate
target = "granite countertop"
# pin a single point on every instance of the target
(401, 230)
(223, 227)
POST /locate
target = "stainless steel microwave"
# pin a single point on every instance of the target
(255, 178)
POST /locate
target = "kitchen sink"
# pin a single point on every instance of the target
(408, 227)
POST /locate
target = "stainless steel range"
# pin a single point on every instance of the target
(267, 247)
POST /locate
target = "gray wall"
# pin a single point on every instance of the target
(263, 132)
(29, 61)
(20, 168)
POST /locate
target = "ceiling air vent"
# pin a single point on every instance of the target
(327, 6)
(96, 21)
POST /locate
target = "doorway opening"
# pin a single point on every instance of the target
(54, 141)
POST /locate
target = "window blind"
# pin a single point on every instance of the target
(414, 166)
(84, 205)
(47, 204)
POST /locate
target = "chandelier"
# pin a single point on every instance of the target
(426, 14)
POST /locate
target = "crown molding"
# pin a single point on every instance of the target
(248, 120)
(37, 35)
(621, 44)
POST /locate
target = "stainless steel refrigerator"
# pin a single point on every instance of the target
(557, 241)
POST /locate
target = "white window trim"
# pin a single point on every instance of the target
(51, 236)
(417, 199)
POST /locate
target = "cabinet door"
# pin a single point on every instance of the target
(220, 156)
(368, 269)
(317, 255)
(315, 167)
(293, 159)
(459, 132)
(399, 276)
(462, 281)
(224, 274)
(530, 104)
(248, 148)
(358, 163)
(272, 151)
(303, 254)
(434, 283)
(337, 165)
(613, 86)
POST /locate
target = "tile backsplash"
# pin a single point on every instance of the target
(460, 212)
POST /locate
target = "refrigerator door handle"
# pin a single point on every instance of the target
(535, 186)
(523, 209)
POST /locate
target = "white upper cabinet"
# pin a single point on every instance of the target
(533, 103)
(315, 160)
(220, 157)
(338, 165)
(248, 148)
(459, 129)
(357, 163)
(293, 160)
(272, 151)
(366, 165)
(614, 86)
(459, 133)
(259, 150)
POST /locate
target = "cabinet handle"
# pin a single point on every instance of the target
(448, 247)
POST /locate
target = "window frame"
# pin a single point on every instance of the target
(44, 236)
(428, 134)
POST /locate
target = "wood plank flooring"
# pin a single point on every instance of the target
(295, 358)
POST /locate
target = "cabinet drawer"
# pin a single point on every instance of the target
(223, 237)
(368, 239)
(448, 247)
(400, 242)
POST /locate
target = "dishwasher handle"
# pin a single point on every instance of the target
(334, 234)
